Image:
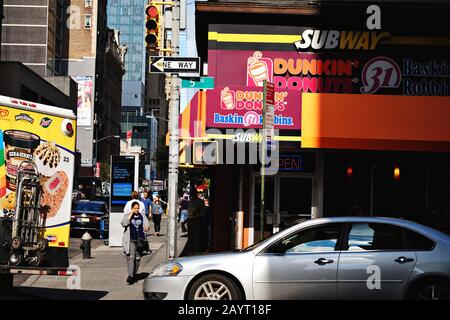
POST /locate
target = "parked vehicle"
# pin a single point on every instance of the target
(328, 258)
(37, 162)
(91, 216)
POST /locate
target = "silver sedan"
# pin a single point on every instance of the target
(329, 258)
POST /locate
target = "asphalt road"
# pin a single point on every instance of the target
(74, 250)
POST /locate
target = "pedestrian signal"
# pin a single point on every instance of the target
(205, 152)
(152, 26)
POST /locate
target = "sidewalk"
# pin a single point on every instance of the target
(104, 276)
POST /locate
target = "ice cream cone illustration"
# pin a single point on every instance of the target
(258, 69)
(227, 99)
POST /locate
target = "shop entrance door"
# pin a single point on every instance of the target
(295, 198)
(288, 201)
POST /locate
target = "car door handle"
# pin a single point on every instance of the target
(323, 261)
(403, 260)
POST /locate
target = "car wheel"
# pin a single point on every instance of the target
(432, 290)
(214, 287)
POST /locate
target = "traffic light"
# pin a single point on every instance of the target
(152, 26)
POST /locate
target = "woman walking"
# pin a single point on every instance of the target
(136, 225)
(156, 214)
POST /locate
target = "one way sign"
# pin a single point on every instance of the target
(174, 64)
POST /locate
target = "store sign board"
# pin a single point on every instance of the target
(241, 107)
(422, 73)
(290, 163)
(315, 40)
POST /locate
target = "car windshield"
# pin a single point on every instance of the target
(88, 206)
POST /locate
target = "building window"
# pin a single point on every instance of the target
(87, 3)
(88, 21)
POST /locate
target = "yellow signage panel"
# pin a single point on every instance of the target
(46, 136)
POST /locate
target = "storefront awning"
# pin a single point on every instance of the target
(375, 122)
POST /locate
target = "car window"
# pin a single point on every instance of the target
(375, 236)
(415, 241)
(316, 239)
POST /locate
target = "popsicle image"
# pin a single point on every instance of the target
(257, 69)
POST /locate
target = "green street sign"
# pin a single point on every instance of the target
(203, 83)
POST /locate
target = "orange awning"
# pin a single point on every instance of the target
(375, 122)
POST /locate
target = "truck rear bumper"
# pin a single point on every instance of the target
(38, 271)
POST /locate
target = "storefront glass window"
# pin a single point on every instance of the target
(409, 185)
(402, 196)
(346, 184)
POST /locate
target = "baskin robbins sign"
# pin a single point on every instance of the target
(241, 107)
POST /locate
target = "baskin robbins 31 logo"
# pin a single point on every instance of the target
(258, 70)
(380, 72)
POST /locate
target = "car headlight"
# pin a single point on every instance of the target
(167, 269)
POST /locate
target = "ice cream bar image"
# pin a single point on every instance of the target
(2, 167)
(227, 99)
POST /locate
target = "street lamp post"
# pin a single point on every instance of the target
(96, 146)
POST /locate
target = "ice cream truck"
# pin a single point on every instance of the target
(37, 159)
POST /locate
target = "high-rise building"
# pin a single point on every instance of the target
(33, 33)
(95, 62)
(128, 18)
(143, 96)
(71, 38)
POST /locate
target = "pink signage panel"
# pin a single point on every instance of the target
(241, 107)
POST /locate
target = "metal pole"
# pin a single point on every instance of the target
(174, 143)
(95, 144)
(263, 165)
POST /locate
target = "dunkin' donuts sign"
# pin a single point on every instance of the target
(400, 74)
(241, 107)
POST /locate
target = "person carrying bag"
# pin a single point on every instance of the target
(134, 240)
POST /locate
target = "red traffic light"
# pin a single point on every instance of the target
(152, 11)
